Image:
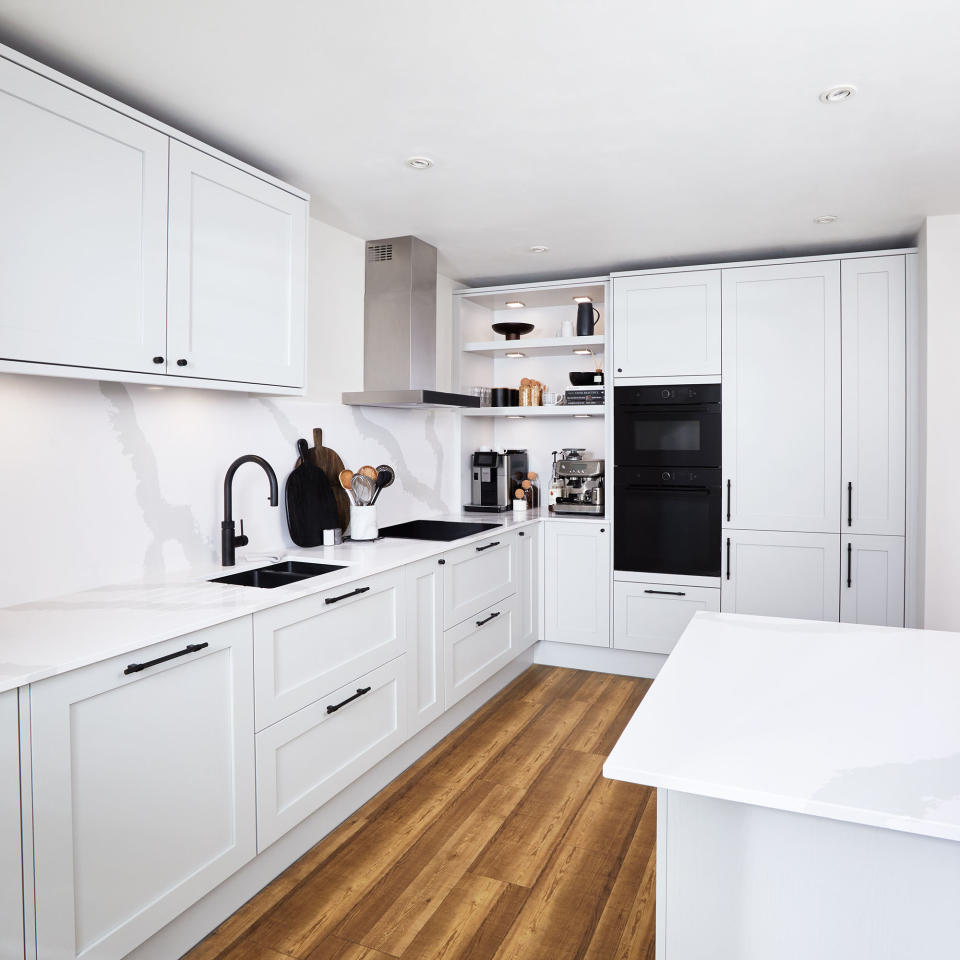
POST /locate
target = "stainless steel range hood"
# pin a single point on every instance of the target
(400, 328)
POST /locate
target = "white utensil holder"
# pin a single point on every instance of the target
(363, 522)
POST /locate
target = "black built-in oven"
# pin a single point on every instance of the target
(667, 479)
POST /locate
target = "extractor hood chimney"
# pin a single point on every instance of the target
(400, 328)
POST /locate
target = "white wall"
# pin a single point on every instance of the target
(107, 482)
(940, 285)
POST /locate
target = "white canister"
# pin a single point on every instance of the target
(520, 504)
(363, 522)
(566, 328)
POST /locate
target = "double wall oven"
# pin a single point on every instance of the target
(667, 479)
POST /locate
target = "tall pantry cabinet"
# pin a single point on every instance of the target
(814, 411)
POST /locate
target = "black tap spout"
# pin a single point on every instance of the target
(229, 541)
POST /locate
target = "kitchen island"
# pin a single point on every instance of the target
(808, 781)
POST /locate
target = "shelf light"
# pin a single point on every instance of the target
(583, 351)
(515, 416)
(514, 304)
(583, 416)
(583, 299)
(515, 355)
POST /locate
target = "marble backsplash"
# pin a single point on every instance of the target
(107, 482)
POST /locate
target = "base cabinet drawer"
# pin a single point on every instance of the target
(477, 575)
(475, 650)
(143, 789)
(650, 617)
(309, 757)
(308, 647)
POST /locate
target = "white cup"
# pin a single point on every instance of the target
(566, 328)
(363, 522)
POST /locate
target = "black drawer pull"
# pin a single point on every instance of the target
(850, 504)
(728, 501)
(189, 648)
(334, 707)
(496, 543)
(667, 593)
(480, 623)
(343, 596)
(728, 558)
(849, 565)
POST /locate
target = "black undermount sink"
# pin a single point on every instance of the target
(278, 574)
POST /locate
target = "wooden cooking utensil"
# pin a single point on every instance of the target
(346, 478)
(368, 471)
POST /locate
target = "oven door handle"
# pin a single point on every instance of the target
(646, 488)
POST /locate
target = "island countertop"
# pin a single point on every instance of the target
(848, 722)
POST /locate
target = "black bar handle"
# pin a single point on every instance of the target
(850, 504)
(496, 543)
(189, 648)
(728, 501)
(480, 623)
(343, 596)
(667, 491)
(849, 564)
(728, 558)
(334, 707)
(667, 593)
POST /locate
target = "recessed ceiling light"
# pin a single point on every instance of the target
(516, 355)
(838, 94)
(583, 351)
(514, 304)
(827, 218)
(583, 299)
(419, 163)
(539, 248)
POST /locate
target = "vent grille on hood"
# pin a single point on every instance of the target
(378, 252)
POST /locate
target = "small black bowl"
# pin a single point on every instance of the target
(586, 378)
(512, 330)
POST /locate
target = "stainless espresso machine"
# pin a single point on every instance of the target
(581, 483)
(495, 475)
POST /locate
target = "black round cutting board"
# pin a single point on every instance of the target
(311, 505)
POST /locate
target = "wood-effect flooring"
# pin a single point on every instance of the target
(503, 842)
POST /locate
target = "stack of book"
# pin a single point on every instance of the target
(583, 396)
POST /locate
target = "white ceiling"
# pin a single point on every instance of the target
(617, 133)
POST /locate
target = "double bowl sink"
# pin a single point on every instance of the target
(278, 574)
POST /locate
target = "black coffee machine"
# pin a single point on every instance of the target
(495, 476)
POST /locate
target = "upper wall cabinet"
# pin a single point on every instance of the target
(237, 273)
(781, 396)
(94, 277)
(83, 195)
(667, 325)
(874, 396)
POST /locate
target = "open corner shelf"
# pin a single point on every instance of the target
(540, 347)
(579, 410)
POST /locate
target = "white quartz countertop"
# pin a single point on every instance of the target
(842, 721)
(48, 637)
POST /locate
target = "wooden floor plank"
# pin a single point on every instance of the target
(471, 922)
(522, 847)
(503, 842)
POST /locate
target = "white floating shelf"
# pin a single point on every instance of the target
(542, 347)
(574, 410)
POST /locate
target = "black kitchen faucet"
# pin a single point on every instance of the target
(229, 541)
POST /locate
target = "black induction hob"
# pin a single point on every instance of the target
(435, 529)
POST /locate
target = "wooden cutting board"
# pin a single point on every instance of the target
(328, 460)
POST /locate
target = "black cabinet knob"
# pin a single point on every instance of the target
(158, 359)
(181, 363)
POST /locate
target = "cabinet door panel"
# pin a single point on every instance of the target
(83, 195)
(143, 791)
(529, 546)
(473, 651)
(477, 575)
(872, 588)
(576, 583)
(11, 876)
(423, 589)
(651, 616)
(777, 574)
(311, 756)
(781, 396)
(874, 396)
(237, 273)
(667, 325)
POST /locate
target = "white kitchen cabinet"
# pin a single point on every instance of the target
(781, 397)
(874, 396)
(576, 583)
(778, 574)
(310, 756)
(83, 195)
(529, 549)
(667, 325)
(143, 789)
(237, 271)
(423, 596)
(474, 650)
(651, 616)
(872, 588)
(477, 575)
(304, 649)
(11, 864)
